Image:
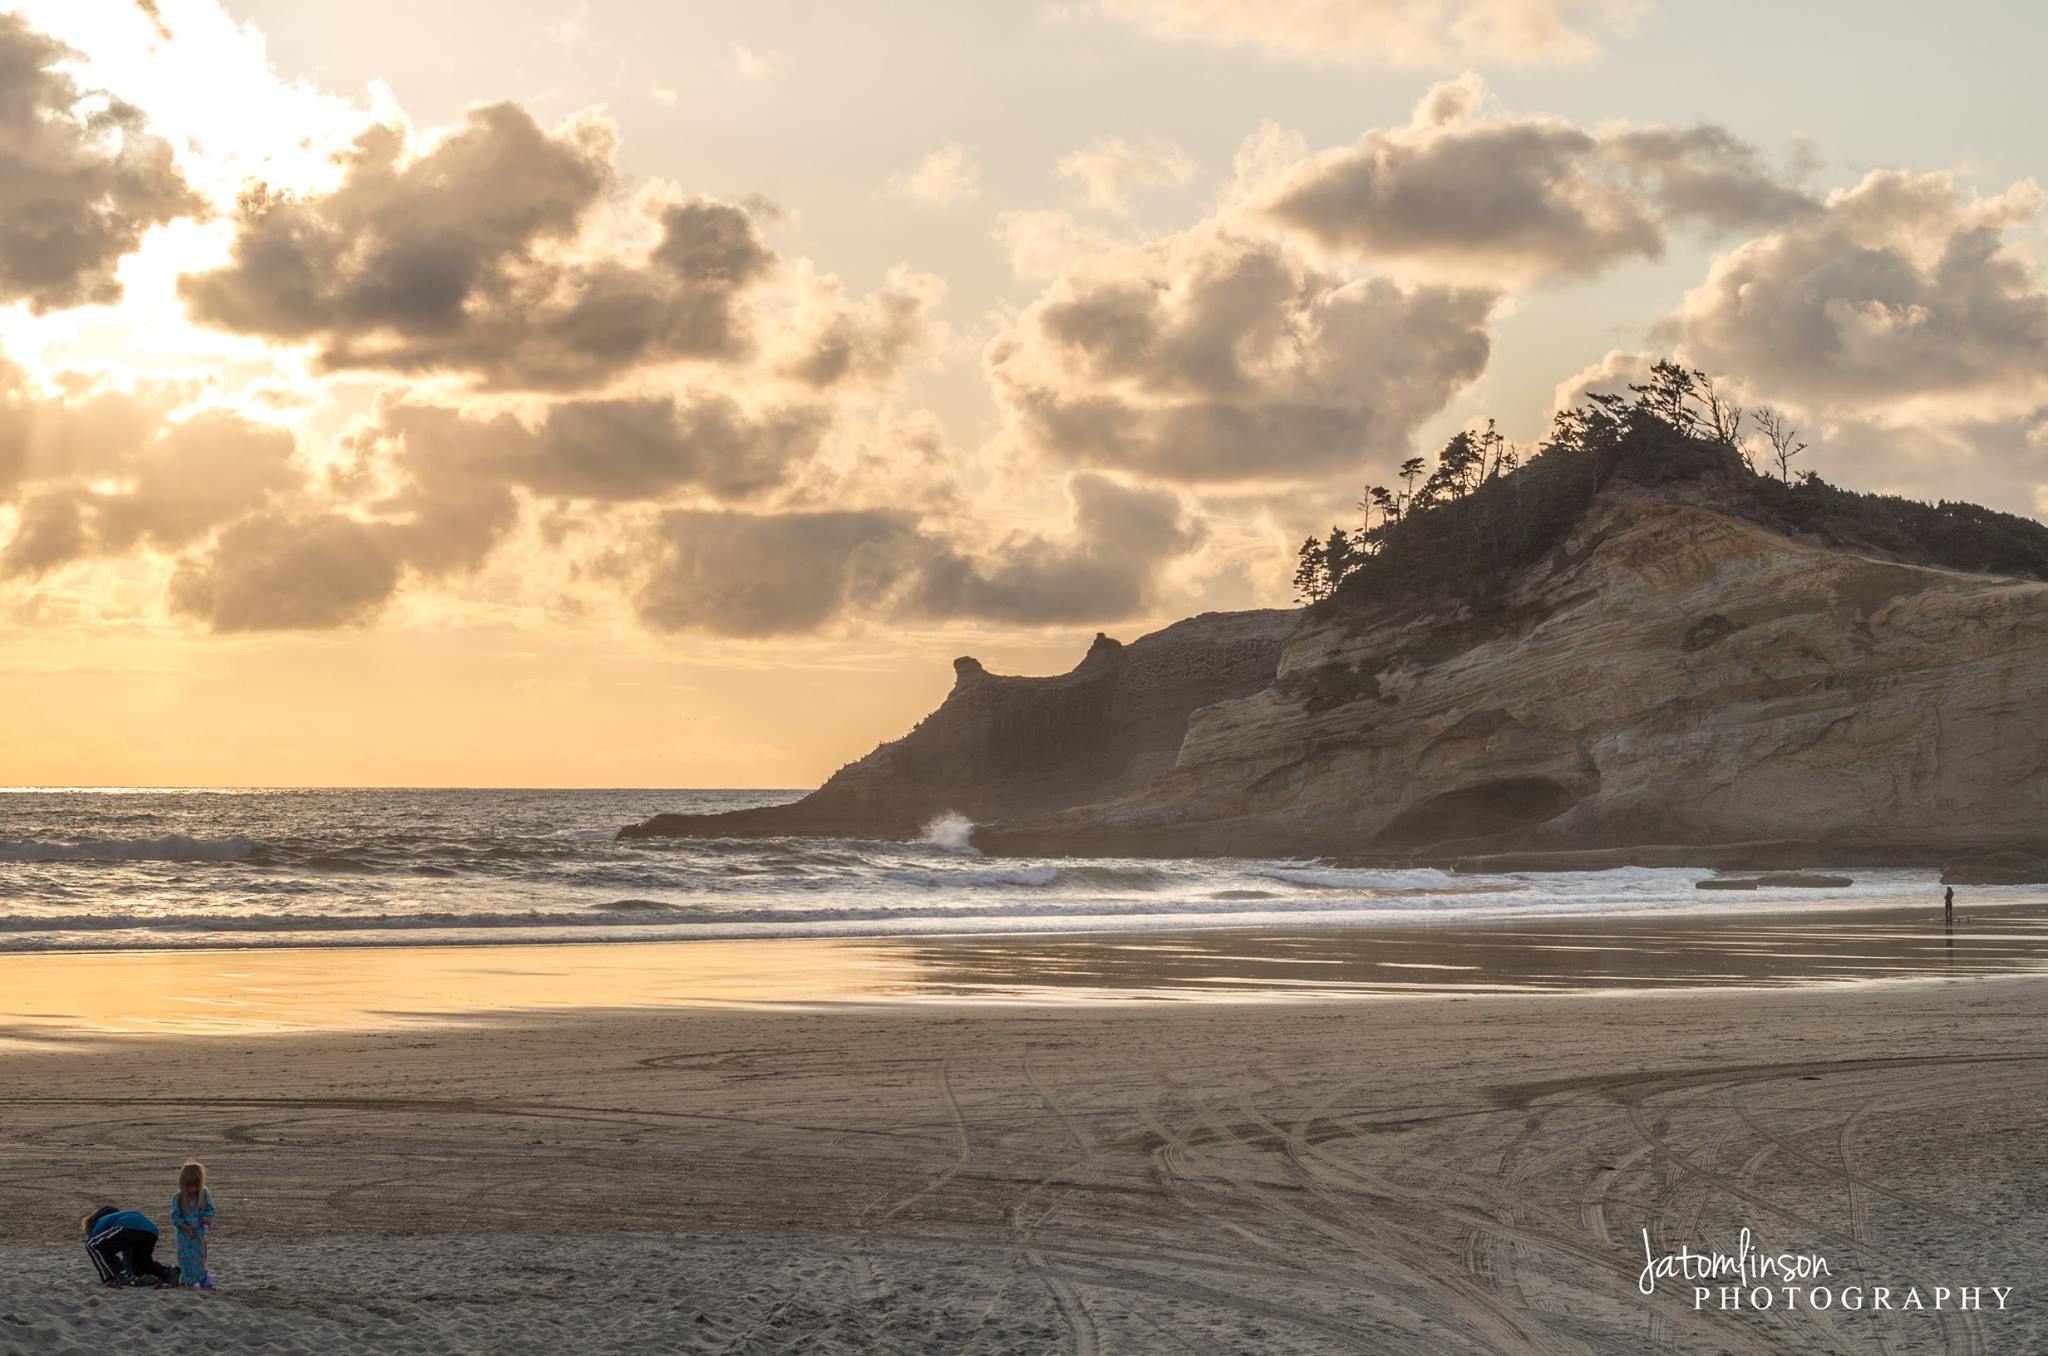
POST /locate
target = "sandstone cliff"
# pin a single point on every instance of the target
(1675, 668)
(1008, 746)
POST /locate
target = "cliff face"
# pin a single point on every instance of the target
(1007, 747)
(1673, 673)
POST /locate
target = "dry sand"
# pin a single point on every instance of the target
(1411, 1174)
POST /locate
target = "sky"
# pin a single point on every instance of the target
(624, 393)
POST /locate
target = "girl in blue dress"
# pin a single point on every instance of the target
(191, 1214)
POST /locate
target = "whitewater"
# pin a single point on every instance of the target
(179, 868)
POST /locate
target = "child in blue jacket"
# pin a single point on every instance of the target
(122, 1245)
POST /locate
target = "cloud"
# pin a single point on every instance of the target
(1219, 355)
(81, 179)
(764, 574)
(944, 177)
(100, 472)
(1042, 244)
(1706, 174)
(1901, 298)
(741, 574)
(2001, 463)
(1388, 32)
(1612, 374)
(156, 18)
(52, 531)
(489, 253)
(1506, 199)
(83, 435)
(198, 475)
(455, 260)
(616, 450)
(834, 340)
(1108, 169)
(278, 572)
(1105, 570)
(753, 65)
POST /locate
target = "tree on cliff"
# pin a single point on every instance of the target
(1324, 565)
(1783, 438)
(1485, 512)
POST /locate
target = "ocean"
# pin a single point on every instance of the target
(137, 868)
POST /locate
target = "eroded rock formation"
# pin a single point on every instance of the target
(1002, 747)
(1673, 671)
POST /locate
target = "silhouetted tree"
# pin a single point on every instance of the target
(1322, 565)
(1723, 416)
(1783, 438)
(1410, 470)
(1383, 501)
(1311, 579)
(1669, 395)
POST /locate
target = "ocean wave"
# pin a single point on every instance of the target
(169, 847)
(336, 862)
(950, 832)
(677, 913)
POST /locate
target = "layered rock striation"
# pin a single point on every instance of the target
(1680, 667)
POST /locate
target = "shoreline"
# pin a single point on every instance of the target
(1715, 906)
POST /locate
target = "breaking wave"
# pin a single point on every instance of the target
(148, 869)
(169, 847)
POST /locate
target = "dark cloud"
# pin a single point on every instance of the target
(199, 474)
(867, 342)
(742, 574)
(156, 484)
(450, 499)
(52, 438)
(1105, 570)
(1214, 355)
(276, 572)
(622, 449)
(52, 531)
(1525, 198)
(80, 179)
(454, 261)
(1706, 174)
(282, 569)
(1901, 293)
(768, 574)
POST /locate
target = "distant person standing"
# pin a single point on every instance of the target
(122, 1245)
(1948, 906)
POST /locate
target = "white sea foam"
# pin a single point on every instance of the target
(169, 847)
(951, 831)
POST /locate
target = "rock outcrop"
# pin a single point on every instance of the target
(1007, 747)
(1675, 669)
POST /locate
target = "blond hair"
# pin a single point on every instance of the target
(192, 1181)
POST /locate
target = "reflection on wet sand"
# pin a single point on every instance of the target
(1570, 956)
(57, 997)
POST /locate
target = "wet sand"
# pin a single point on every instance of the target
(793, 1162)
(61, 996)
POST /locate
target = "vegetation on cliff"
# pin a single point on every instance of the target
(1486, 511)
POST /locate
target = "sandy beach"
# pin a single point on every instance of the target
(764, 1168)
